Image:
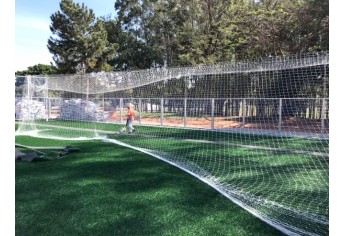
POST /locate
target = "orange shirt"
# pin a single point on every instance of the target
(130, 114)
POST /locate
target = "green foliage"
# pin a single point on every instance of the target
(192, 32)
(132, 53)
(39, 69)
(79, 42)
(148, 34)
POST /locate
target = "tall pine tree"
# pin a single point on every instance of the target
(79, 42)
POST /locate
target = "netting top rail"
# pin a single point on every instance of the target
(95, 83)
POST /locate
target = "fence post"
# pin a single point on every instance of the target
(139, 106)
(121, 110)
(162, 110)
(47, 102)
(280, 113)
(48, 108)
(103, 101)
(244, 111)
(212, 113)
(185, 113)
(87, 88)
(323, 109)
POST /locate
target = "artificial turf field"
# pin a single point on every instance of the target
(106, 189)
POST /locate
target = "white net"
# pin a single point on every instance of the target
(257, 131)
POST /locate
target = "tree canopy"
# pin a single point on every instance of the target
(157, 33)
(182, 32)
(79, 43)
(39, 69)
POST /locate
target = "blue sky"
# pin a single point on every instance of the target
(32, 20)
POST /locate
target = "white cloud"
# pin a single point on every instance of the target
(29, 56)
(31, 23)
(31, 42)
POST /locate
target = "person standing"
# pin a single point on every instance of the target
(130, 119)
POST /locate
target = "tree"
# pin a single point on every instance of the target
(131, 53)
(271, 27)
(79, 42)
(154, 25)
(39, 69)
(314, 25)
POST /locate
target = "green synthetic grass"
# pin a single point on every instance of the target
(258, 172)
(109, 190)
(289, 143)
(297, 181)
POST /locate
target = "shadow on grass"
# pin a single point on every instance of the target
(110, 190)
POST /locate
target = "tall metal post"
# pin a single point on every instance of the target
(47, 100)
(185, 100)
(121, 110)
(28, 87)
(212, 113)
(28, 97)
(103, 104)
(87, 88)
(323, 109)
(185, 112)
(140, 108)
(244, 111)
(162, 110)
(280, 113)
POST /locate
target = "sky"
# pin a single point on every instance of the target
(32, 21)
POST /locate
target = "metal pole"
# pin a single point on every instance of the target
(121, 110)
(323, 101)
(280, 113)
(28, 97)
(185, 100)
(49, 105)
(323, 109)
(47, 100)
(244, 111)
(28, 87)
(162, 110)
(212, 113)
(139, 106)
(87, 88)
(103, 119)
(185, 113)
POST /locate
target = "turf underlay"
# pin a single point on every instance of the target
(110, 190)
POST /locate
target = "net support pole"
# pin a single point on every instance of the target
(28, 97)
(103, 109)
(323, 115)
(212, 113)
(139, 107)
(162, 110)
(28, 87)
(280, 113)
(49, 105)
(323, 109)
(121, 110)
(244, 111)
(87, 88)
(47, 101)
(185, 112)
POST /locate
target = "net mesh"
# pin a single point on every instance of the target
(257, 131)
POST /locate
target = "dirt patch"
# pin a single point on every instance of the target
(291, 124)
